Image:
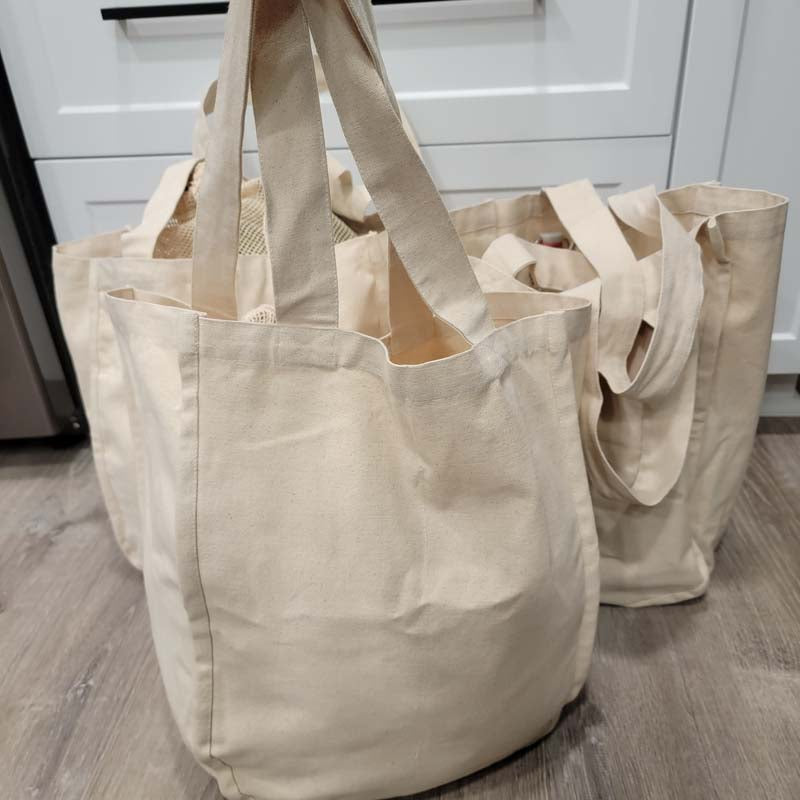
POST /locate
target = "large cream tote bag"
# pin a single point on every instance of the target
(683, 287)
(156, 256)
(366, 573)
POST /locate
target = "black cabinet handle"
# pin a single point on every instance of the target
(122, 13)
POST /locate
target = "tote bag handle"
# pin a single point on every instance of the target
(140, 242)
(288, 124)
(593, 229)
(665, 383)
(348, 200)
(653, 460)
(202, 130)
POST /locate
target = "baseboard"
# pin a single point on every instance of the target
(781, 398)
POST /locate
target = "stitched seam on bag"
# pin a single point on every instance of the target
(197, 558)
(98, 445)
(701, 439)
(697, 213)
(556, 404)
(525, 217)
(532, 349)
(590, 604)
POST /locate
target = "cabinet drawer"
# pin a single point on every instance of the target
(92, 195)
(465, 70)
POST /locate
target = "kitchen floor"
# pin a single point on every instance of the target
(700, 700)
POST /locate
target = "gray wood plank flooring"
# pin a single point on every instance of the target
(700, 700)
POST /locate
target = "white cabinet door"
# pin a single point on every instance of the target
(465, 70)
(92, 195)
(87, 196)
(761, 150)
(468, 174)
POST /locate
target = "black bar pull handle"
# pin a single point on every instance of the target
(122, 13)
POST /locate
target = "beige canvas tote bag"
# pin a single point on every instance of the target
(156, 256)
(740, 233)
(683, 301)
(365, 578)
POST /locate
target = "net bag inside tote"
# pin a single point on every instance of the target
(350, 596)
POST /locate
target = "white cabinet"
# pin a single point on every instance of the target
(86, 196)
(467, 71)
(761, 148)
(90, 195)
(738, 123)
(504, 95)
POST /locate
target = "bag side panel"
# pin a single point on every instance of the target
(753, 244)
(158, 352)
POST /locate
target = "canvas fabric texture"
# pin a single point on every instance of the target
(366, 575)
(156, 256)
(687, 285)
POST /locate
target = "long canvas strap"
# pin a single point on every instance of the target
(291, 151)
(140, 242)
(653, 460)
(274, 38)
(622, 301)
(412, 211)
(663, 388)
(401, 188)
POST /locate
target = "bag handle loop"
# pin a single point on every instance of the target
(140, 242)
(290, 124)
(622, 300)
(667, 375)
(202, 131)
(268, 39)
(408, 203)
(656, 456)
(347, 199)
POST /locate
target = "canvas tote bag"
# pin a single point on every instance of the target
(156, 256)
(666, 451)
(365, 578)
(740, 233)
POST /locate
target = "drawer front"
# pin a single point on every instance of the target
(92, 195)
(465, 70)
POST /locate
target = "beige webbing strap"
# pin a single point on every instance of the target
(549, 268)
(201, 132)
(622, 303)
(219, 202)
(348, 199)
(591, 226)
(647, 467)
(140, 242)
(294, 171)
(401, 188)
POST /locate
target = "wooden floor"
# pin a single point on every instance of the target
(698, 701)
